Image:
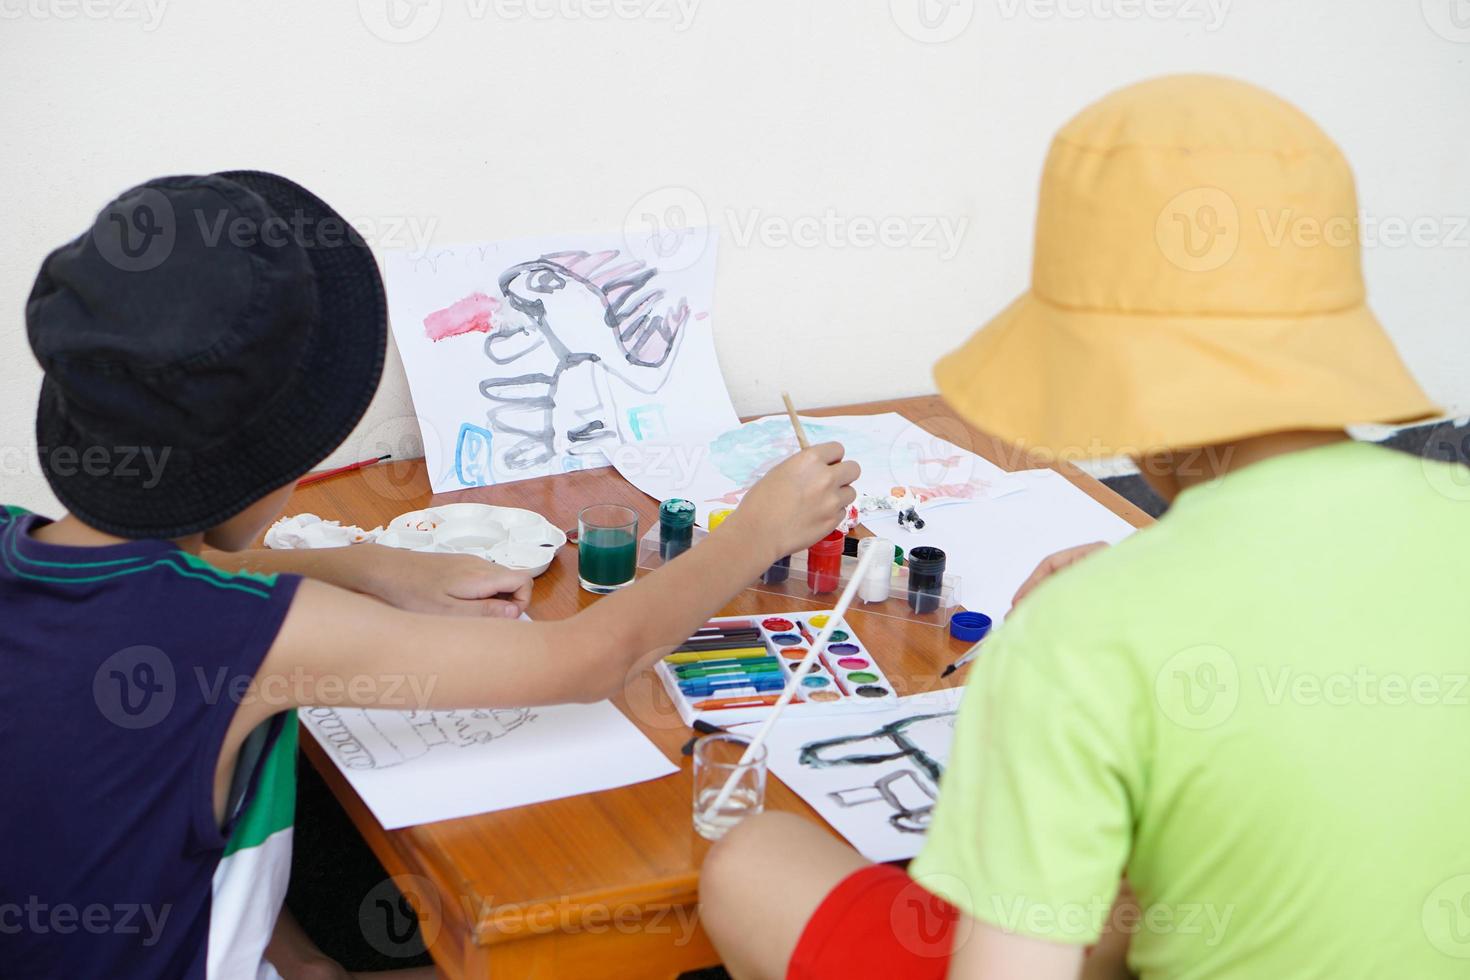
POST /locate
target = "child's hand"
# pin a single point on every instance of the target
(448, 585)
(1052, 564)
(799, 502)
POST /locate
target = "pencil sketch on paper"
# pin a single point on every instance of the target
(598, 316)
(372, 739)
(908, 755)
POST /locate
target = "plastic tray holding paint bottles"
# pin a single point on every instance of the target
(845, 679)
(932, 603)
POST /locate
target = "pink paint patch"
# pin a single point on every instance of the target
(475, 313)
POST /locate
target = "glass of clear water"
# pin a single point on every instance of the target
(716, 759)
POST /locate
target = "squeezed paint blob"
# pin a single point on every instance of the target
(862, 677)
(777, 625)
(872, 691)
(853, 663)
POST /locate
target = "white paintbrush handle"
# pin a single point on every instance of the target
(794, 683)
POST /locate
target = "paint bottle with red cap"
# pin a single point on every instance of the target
(824, 564)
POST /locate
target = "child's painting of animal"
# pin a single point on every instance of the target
(535, 357)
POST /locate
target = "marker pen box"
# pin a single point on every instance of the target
(711, 680)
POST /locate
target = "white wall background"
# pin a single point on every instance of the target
(517, 117)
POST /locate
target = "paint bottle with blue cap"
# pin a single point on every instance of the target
(675, 527)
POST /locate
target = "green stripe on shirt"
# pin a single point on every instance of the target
(273, 807)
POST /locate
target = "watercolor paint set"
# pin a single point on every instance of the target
(733, 669)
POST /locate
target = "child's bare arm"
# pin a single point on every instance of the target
(336, 648)
(456, 585)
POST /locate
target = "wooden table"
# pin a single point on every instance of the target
(603, 885)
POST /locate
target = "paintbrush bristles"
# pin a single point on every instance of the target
(795, 422)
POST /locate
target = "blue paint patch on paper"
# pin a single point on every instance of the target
(472, 456)
(647, 422)
(745, 454)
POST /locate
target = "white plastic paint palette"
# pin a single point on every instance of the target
(509, 536)
(845, 679)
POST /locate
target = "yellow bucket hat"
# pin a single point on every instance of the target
(1196, 280)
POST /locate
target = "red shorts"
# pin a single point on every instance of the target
(877, 922)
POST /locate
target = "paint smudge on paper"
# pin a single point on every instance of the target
(647, 422)
(746, 454)
(969, 490)
(473, 314)
(472, 460)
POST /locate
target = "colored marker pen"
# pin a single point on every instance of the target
(693, 656)
(711, 689)
(732, 661)
(734, 671)
(725, 704)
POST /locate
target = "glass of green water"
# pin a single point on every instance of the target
(607, 547)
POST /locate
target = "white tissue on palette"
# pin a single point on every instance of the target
(509, 536)
(310, 531)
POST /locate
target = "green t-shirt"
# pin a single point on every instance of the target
(1258, 709)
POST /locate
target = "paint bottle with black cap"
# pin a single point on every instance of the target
(926, 578)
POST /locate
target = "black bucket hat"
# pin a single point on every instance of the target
(208, 341)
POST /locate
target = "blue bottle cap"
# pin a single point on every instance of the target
(970, 627)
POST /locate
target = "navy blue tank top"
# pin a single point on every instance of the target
(120, 670)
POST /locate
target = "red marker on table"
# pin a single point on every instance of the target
(311, 478)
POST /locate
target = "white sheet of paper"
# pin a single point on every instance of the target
(994, 545)
(715, 469)
(414, 767)
(882, 808)
(535, 356)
